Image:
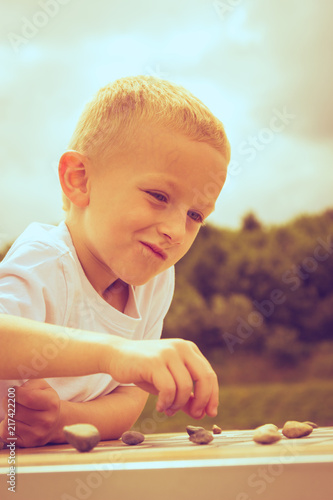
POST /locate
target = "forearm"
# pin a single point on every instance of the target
(64, 351)
(112, 414)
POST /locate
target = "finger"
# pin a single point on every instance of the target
(146, 386)
(33, 428)
(205, 388)
(213, 403)
(36, 383)
(8, 432)
(166, 387)
(24, 435)
(184, 386)
(35, 399)
(27, 415)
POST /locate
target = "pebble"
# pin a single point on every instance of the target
(132, 437)
(192, 429)
(266, 434)
(216, 429)
(201, 437)
(293, 429)
(84, 437)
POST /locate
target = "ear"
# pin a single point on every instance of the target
(73, 177)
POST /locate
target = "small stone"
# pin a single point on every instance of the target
(272, 426)
(84, 437)
(216, 429)
(192, 429)
(132, 437)
(266, 434)
(293, 429)
(201, 437)
(313, 425)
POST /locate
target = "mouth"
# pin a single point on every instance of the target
(156, 250)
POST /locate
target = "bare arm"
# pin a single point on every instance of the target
(30, 349)
(40, 415)
(112, 414)
(174, 369)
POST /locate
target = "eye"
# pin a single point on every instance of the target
(158, 196)
(195, 216)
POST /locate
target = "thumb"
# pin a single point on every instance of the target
(36, 383)
(146, 386)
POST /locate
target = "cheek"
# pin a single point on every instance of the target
(138, 217)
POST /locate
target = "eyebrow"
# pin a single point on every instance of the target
(208, 205)
(174, 186)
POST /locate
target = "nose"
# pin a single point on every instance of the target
(174, 226)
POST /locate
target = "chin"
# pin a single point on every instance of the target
(138, 280)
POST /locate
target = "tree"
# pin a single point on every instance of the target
(250, 222)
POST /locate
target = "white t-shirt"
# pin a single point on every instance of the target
(41, 278)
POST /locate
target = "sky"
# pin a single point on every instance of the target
(263, 67)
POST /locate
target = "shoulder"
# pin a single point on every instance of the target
(42, 254)
(42, 251)
(38, 274)
(40, 239)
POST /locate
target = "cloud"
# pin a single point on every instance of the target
(289, 178)
(258, 57)
(277, 54)
(297, 52)
(70, 21)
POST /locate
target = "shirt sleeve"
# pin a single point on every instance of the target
(33, 284)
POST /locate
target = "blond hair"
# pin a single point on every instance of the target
(112, 117)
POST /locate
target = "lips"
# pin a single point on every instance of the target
(155, 249)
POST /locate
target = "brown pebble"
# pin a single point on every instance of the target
(201, 437)
(132, 437)
(293, 429)
(313, 425)
(216, 429)
(84, 437)
(192, 429)
(266, 434)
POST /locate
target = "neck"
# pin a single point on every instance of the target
(99, 275)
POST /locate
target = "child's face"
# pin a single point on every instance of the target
(147, 203)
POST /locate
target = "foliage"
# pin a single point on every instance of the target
(262, 289)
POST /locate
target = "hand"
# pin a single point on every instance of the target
(174, 369)
(37, 408)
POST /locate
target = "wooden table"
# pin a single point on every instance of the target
(169, 466)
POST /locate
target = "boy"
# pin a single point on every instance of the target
(146, 164)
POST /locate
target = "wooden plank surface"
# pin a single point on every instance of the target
(231, 467)
(236, 444)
